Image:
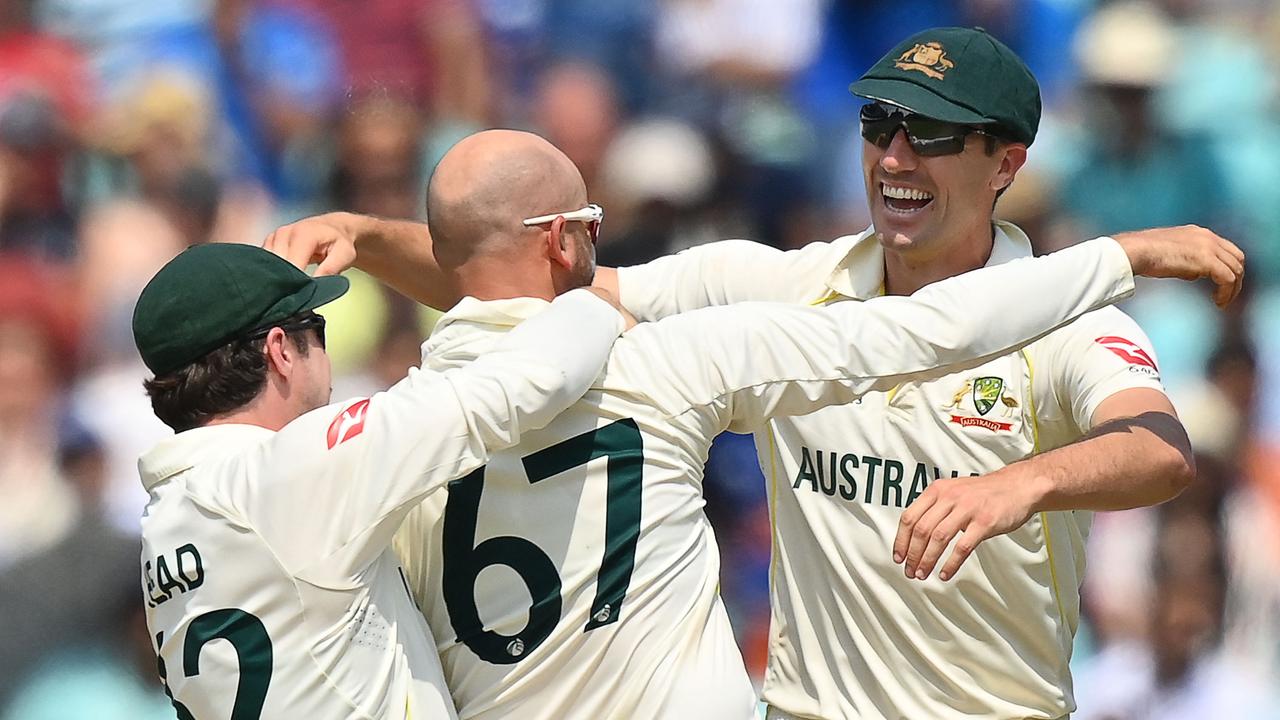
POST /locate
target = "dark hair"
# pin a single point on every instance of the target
(223, 381)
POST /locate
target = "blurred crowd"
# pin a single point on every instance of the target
(130, 129)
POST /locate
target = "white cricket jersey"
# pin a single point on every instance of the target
(576, 576)
(271, 590)
(851, 636)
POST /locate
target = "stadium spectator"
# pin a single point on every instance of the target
(45, 101)
(57, 555)
(1127, 52)
(1179, 673)
(427, 52)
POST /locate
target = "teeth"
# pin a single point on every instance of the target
(902, 193)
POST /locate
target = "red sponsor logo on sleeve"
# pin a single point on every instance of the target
(1128, 351)
(348, 424)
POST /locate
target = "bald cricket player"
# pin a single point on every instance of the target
(575, 576)
(270, 587)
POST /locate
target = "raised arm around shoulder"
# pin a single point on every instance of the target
(359, 467)
(397, 252)
(723, 273)
(998, 309)
(538, 370)
(763, 359)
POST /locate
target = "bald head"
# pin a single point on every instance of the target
(487, 184)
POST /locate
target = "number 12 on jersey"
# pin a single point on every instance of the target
(621, 443)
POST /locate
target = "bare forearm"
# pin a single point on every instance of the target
(398, 252)
(1121, 464)
(1134, 457)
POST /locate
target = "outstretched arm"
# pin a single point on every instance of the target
(398, 252)
(760, 360)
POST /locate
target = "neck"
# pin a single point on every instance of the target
(906, 272)
(500, 281)
(263, 412)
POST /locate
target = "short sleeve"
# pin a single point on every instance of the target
(1088, 361)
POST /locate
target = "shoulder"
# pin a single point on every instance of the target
(824, 257)
(1107, 328)
(685, 358)
(1084, 363)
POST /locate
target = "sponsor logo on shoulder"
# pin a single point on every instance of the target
(348, 424)
(1139, 360)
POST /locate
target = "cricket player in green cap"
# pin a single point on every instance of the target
(270, 587)
(1003, 463)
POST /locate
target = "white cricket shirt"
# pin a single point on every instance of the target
(270, 588)
(851, 636)
(576, 576)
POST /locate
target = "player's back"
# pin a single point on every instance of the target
(239, 630)
(576, 576)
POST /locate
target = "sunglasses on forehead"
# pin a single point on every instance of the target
(928, 137)
(592, 215)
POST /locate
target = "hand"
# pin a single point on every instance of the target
(979, 507)
(613, 300)
(1189, 252)
(328, 239)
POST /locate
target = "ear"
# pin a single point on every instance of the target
(557, 244)
(282, 355)
(1013, 157)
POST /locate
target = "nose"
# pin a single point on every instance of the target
(899, 156)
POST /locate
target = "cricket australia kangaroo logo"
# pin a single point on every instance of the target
(987, 393)
(929, 58)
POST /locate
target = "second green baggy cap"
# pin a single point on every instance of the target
(211, 294)
(960, 75)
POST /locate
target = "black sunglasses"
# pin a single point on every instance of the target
(311, 321)
(928, 137)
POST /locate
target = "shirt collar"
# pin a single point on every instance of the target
(192, 447)
(860, 274)
(455, 333)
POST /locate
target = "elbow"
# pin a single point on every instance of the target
(1177, 469)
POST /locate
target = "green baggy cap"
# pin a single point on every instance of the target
(211, 294)
(960, 75)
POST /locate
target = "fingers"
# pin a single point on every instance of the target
(300, 249)
(1230, 259)
(910, 516)
(939, 539)
(1228, 274)
(1193, 252)
(310, 241)
(973, 535)
(1232, 248)
(281, 242)
(1234, 259)
(922, 537)
(341, 256)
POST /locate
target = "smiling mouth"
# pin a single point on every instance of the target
(904, 200)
